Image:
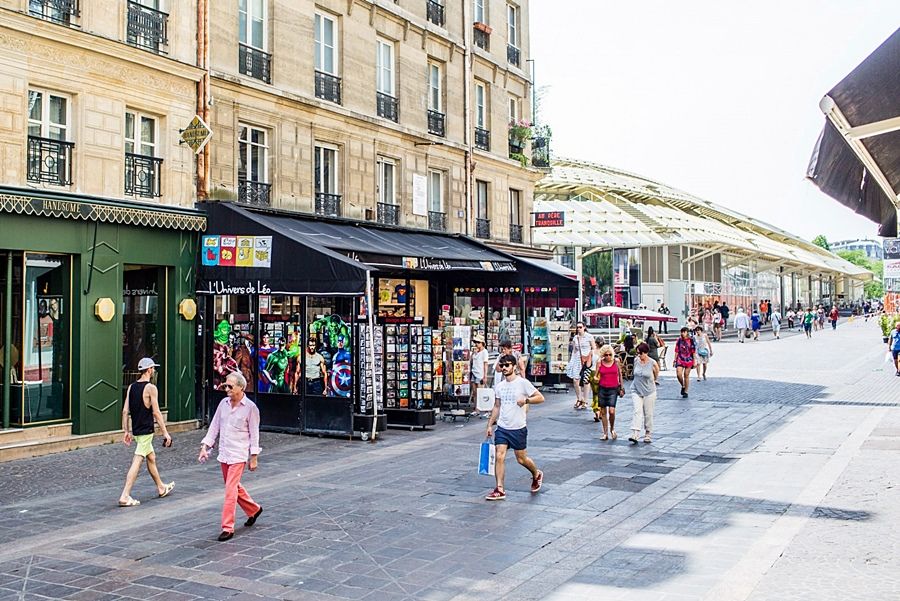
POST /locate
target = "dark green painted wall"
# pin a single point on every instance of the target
(97, 346)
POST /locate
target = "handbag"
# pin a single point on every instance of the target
(484, 399)
(487, 458)
(704, 352)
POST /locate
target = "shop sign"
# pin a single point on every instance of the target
(434, 264)
(148, 291)
(891, 248)
(497, 266)
(220, 287)
(892, 268)
(61, 208)
(550, 219)
(420, 195)
(237, 251)
(196, 134)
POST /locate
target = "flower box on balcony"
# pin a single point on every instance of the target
(483, 27)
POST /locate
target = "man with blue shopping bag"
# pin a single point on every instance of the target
(512, 394)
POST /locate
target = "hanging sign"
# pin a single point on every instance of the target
(550, 219)
(196, 134)
(237, 251)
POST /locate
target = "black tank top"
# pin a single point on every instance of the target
(141, 416)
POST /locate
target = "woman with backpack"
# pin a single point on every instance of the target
(608, 385)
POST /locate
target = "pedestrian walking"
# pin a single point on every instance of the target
(717, 323)
(685, 350)
(894, 347)
(608, 385)
(763, 310)
(776, 323)
(521, 361)
(655, 343)
(726, 314)
(704, 352)
(790, 319)
(142, 405)
(510, 413)
(665, 311)
(755, 324)
(834, 315)
(741, 324)
(579, 367)
(643, 394)
(809, 318)
(820, 318)
(479, 369)
(236, 426)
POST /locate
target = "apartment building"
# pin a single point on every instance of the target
(372, 110)
(98, 236)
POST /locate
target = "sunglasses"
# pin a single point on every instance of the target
(607, 354)
(228, 386)
(507, 366)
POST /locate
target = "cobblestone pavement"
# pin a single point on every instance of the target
(775, 479)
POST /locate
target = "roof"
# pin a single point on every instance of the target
(610, 208)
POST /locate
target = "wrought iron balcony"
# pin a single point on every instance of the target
(50, 161)
(143, 175)
(436, 123)
(540, 152)
(513, 55)
(147, 27)
(58, 11)
(255, 63)
(482, 39)
(388, 213)
(258, 194)
(516, 233)
(482, 138)
(482, 228)
(388, 107)
(328, 87)
(328, 205)
(437, 221)
(435, 11)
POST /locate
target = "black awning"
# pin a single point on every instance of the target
(391, 247)
(869, 94)
(296, 267)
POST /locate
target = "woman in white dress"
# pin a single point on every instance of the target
(580, 364)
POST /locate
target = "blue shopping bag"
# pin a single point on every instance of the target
(487, 458)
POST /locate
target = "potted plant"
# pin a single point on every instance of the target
(519, 133)
(887, 324)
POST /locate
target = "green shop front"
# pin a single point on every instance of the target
(88, 287)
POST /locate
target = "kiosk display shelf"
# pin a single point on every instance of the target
(560, 335)
(539, 346)
(408, 375)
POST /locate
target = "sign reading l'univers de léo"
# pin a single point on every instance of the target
(237, 251)
(550, 219)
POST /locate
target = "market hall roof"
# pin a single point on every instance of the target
(856, 160)
(609, 208)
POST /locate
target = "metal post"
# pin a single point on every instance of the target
(7, 338)
(578, 266)
(781, 288)
(370, 324)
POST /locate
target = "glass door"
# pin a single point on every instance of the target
(143, 324)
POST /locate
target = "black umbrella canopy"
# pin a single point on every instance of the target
(857, 158)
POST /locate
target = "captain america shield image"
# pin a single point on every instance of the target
(341, 381)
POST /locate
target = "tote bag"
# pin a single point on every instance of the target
(487, 458)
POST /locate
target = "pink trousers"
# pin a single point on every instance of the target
(235, 493)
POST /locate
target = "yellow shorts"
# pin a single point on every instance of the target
(144, 445)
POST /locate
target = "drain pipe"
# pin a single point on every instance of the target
(203, 95)
(467, 113)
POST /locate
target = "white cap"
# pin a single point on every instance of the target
(146, 363)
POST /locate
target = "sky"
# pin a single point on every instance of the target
(714, 97)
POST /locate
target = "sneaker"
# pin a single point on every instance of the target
(496, 495)
(684, 394)
(537, 481)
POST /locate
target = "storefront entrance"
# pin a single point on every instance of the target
(143, 324)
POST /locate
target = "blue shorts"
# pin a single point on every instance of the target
(514, 439)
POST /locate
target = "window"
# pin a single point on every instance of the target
(326, 44)
(58, 11)
(480, 12)
(481, 199)
(328, 198)
(147, 25)
(48, 115)
(49, 151)
(385, 67)
(386, 181)
(515, 206)
(435, 93)
(480, 106)
(513, 109)
(436, 191)
(142, 169)
(253, 159)
(140, 134)
(512, 25)
(252, 23)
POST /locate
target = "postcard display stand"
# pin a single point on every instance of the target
(540, 351)
(362, 418)
(499, 330)
(559, 346)
(458, 340)
(411, 380)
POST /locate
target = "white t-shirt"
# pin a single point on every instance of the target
(584, 343)
(478, 361)
(512, 417)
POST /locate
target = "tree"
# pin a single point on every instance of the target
(875, 288)
(822, 241)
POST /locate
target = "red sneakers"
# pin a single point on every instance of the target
(496, 495)
(537, 481)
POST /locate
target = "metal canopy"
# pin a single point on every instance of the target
(856, 160)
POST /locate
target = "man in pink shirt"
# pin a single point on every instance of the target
(236, 425)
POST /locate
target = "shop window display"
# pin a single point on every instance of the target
(469, 308)
(233, 341)
(14, 370)
(504, 320)
(142, 328)
(281, 338)
(328, 324)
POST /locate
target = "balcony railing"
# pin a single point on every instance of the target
(540, 152)
(328, 87)
(143, 175)
(435, 12)
(482, 228)
(328, 205)
(437, 221)
(513, 55)
(255, 63)
(436, 123)
(388, 213)
(387, 106)
(50, 161)
(146, 27)
(58, 11)
(516, 233)
(482, 39)
(258, 194)
(482, 138)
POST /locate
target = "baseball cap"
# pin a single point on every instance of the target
(146, 363)
(478, 339)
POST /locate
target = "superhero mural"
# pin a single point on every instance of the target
(333, 336)
(278, 371)
(223, 360)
